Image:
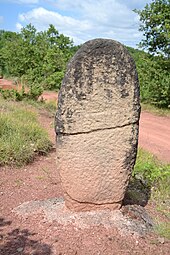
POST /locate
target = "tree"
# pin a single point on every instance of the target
(7, 38)
(38, 58)
(154, 68)
(155, 18)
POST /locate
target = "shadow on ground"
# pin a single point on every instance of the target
(137, 193)
(20, 242)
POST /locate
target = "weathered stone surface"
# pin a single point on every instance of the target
(97, 125)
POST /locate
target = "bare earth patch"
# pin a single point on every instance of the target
(154, 135)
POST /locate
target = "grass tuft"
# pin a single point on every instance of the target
(21, 136)
(155, 177)
(149, 169)
(50, 106)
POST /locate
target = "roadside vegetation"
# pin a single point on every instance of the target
(35, 59)
(155, 110)
(49, 106)
(38, 60)
(21, 136)
(154, 67)
(154, 78)
(152, 171)
(151, 181)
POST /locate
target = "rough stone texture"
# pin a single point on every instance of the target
(97, 125)
(130, 220)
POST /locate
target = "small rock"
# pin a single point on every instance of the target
(161, 240)
(20, 249)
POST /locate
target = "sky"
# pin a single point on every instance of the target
(81, 20)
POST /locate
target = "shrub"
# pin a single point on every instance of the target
(154, 78)
(33, 93)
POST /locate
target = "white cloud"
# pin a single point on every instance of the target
(41, 18)
(86, 19)
(18, 26)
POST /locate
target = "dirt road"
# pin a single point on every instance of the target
(154, 133)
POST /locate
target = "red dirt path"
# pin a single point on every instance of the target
(154, 135)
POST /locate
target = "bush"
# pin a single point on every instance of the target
(11, 94)
(53, 82)
(154, 82)
(34, 92)
(154, 78)
(39, 57)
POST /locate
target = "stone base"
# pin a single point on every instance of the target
(131, 219)
(79, 207)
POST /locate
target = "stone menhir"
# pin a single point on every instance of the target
(97, 125)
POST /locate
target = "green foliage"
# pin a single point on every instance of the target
(154, 72)
(21, 137)
(150, 170)
(154, 81)
(155, 18)
(11, 94)
(53, 68)
(154, 78)
(34, 92)
(37, 57)
(151, 180)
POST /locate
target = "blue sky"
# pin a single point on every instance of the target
(81, 20)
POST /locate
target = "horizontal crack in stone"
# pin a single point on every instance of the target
(96, 130)
(92, 203)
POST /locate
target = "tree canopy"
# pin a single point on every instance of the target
(39, 60)
(155, 23)
(36, 57)
(154, 68)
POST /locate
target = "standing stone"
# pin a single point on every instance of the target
(97, 125)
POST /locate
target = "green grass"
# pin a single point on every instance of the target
(21, 136)
(155, 176)
(50, 106)
(155, 110)
(163, 229)
(150, 169)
